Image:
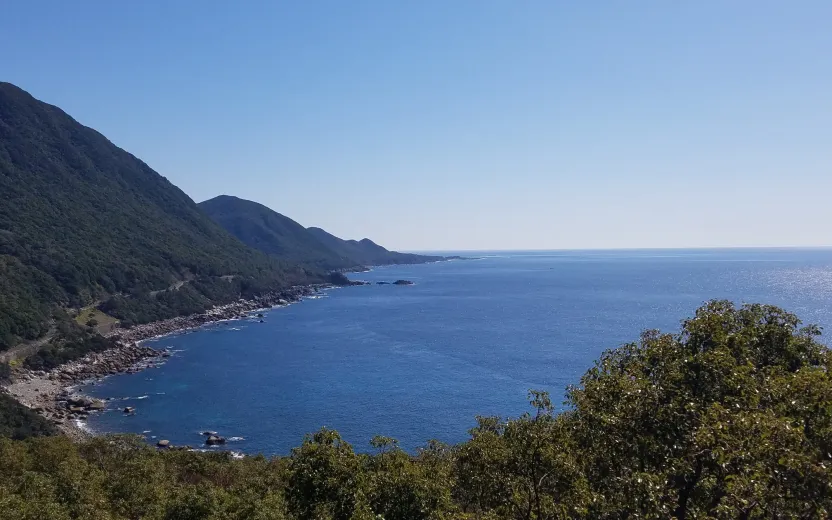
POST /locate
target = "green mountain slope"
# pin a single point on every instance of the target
(273, 233)
(82, 220)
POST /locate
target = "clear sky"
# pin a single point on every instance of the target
(463, 124)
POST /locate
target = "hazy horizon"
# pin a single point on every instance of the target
(620, 249)
(468, 125)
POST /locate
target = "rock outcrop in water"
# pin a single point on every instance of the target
(215, 440)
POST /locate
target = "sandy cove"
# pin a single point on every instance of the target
(52, 393)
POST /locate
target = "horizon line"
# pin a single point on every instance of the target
(575, 249)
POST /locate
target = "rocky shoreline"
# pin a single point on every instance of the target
(231, 311)
(52, 393)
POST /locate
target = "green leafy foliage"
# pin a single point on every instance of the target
(71, 346)
(731, 418)
(26, 299)
(19, 422)
(717, 421)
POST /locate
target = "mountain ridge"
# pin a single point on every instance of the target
(265, 229)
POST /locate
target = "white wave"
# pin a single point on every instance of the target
(236, 439)
(83, 426)
(142, 397)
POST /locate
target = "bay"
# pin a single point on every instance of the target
(420, 362)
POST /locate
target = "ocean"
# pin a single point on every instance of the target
(420, 362)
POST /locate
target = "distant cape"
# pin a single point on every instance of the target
(267, 230)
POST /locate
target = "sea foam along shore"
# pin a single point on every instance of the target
(52, 393)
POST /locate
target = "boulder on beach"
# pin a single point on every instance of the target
(79, 401)
(96, 405)
(164, 443)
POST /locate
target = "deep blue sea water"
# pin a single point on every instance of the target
(420, 362)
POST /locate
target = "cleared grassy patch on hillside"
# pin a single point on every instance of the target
(92, 317)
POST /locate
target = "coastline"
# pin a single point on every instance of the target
(52, 393)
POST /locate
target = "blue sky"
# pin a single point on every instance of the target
(466, 124)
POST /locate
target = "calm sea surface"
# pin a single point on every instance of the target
(420, 362)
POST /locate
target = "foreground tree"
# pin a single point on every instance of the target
(522, 469)
(731, 418)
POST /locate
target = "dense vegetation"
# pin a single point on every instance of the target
(731, 418)
(73, 344)
(19, 422)
(81, 220)
(279, 236)
(262, 228)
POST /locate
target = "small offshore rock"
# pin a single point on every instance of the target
(214, 440)
(164, 443)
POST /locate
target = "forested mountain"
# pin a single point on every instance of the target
(275, 234)
(82, 221)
